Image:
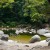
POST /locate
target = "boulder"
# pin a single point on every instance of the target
(5, 37)
(43, 31)
(35, 38)
(49, 43)
(26, 45)
(48, 39)
(1, 42)
(47, 35)
(17, 32)
(1, 33)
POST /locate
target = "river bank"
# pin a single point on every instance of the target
(20, 46)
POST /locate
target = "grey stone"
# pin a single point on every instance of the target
(1, 42)
(35, 38)
(26, 45)
(48, 39)
(5, 37)
(1, 33)
(49, 44)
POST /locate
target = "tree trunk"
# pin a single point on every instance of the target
(36, 30)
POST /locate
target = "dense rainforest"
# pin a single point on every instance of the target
(24, 12)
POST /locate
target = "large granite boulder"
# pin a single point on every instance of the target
(5, 37)
(35, 38)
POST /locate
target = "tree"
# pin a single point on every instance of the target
(37, 20)
(23, 11)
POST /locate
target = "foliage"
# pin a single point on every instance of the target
(9, 32)
(15, 12)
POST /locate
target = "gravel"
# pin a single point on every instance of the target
(16, 47)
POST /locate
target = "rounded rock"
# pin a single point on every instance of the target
(5, 37)
(35, 38)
